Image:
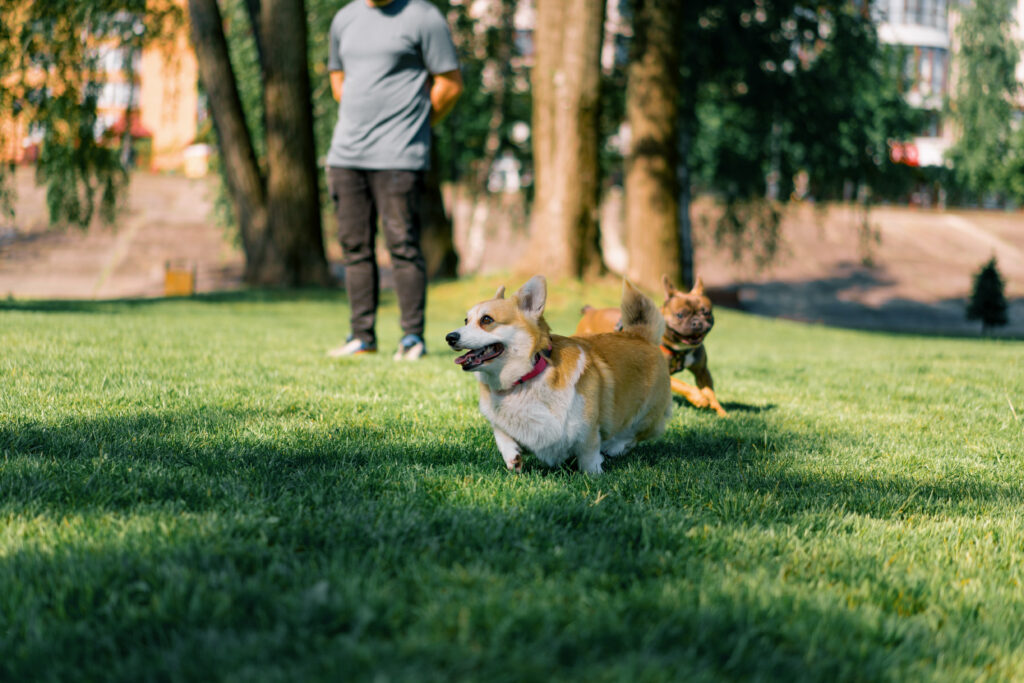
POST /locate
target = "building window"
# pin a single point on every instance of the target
(111, 59)
(925, 70)
(930, 13)
(932, 74)
(932, 125)
(940, 69)
(116, 96)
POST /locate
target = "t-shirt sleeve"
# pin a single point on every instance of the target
(334, 62)
(439, 54)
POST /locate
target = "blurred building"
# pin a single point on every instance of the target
(168, 103)
(153, 94)
(926, 30)
(922, 29)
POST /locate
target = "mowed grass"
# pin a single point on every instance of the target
(190, 490)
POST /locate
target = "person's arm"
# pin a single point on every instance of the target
(444, 91)
(337, 78)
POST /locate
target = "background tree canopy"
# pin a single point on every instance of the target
(987, 157)
(767, 92)
(52, 76)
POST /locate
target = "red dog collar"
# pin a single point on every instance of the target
(538, 367)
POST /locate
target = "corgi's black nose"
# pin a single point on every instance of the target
(452, 338)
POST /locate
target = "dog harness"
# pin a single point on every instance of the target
(538, 367)
(676, 357)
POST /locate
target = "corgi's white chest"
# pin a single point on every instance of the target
(547, 423)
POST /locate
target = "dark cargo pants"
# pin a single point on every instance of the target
(360, 197)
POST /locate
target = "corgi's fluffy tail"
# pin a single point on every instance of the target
(640, 315)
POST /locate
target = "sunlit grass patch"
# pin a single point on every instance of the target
(190, 489)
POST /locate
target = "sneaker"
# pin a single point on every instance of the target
(412, 347)
(352, 347)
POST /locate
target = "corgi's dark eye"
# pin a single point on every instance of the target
(465, 321)
(486, 320)
(679, 315)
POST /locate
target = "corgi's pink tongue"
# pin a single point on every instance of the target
(478, 356)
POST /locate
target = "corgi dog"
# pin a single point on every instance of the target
(558, 397)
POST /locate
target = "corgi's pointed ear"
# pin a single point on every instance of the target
(500, 294)
(531, 297)
(698, 287)
(670, 289)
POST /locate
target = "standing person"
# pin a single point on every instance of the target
(397, 63)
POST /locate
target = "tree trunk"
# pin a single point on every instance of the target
(652, 109)
(293, 192)
(566, 84)
(278, 217)
(241, 172)
(254, 8)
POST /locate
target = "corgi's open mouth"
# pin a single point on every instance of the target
(478, 357)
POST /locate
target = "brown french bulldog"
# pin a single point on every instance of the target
(688, 319)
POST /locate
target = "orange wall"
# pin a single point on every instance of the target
(169, 99)
(166, 100)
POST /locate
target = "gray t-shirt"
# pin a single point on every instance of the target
(387, 54)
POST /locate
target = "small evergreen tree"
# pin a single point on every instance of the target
(988, 303)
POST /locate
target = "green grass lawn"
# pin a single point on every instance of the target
(190, 490)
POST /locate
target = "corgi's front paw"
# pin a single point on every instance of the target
(515, 464)
(590, 463)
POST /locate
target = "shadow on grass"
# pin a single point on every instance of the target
(253, 600)
(328, 551)
(730, 406)
(835, 301)
(117, 462)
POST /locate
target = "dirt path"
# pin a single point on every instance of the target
(918, 279)
(167, 218)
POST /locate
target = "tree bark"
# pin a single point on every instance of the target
(566, 94)
(652, 208)
(241, 172)
(278, 216)
(293, 191)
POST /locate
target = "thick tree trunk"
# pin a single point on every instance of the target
(278, 217)
(652, 208)
(293, 194)
(241, 172)
(566, 94)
